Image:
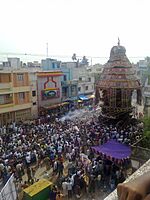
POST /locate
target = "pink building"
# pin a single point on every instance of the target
(49, 88)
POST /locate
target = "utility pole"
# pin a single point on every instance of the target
(91, 61)
(47, 49)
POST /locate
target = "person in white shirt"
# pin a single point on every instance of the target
(28, 159)
(69, 188)
(64, 187)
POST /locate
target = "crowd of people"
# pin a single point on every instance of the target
(64, 146)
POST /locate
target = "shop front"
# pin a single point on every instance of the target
(56, 110)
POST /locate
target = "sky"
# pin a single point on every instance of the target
(84, 27)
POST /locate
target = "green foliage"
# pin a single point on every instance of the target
(148, 79)
(146, 121)
(146, 140)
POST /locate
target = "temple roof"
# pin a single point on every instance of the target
(118, 71)
(118, 56)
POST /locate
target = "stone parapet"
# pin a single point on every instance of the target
(142, 170)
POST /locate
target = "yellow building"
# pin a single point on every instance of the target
(33, 90)
(15, 100)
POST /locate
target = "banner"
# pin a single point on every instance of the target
(50, 93)
(8, 192)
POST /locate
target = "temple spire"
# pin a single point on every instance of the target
(118, 41)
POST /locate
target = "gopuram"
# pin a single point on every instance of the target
(116, 87)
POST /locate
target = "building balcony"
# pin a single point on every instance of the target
(146, 94)
(66, 83)
(11, 107)
(22, 106)
(5, 87)
(147, 104)
(7, 101)
(6, 104)
(21, 89)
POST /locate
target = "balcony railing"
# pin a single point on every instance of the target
(69, 83)
(7, 101)
(147, 94)
(4, 86)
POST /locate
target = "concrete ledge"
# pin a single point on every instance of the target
(142, 170)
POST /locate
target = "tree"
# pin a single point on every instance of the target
(146, 140)
(147, 59)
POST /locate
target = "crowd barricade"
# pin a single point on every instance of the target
(9, 192)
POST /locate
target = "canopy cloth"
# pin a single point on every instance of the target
(83, 97)
(114, 149)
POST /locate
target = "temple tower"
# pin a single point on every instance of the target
(117, 83)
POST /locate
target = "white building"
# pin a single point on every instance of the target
(83, 74)
(97, 71)
(86, 80)
(147, 97)
(14, 63)
(142, 67)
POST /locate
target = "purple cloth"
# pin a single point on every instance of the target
(114, 149)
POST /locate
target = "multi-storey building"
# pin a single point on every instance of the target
(50, 64)
(69, 85)
(96, 71)
(15, 101)
(142, 70)
(49, 91)
(146, 95)
(83, 77)
(34, 65)
(13, 63)
(78, 78)
(33, 90)
(85, 80)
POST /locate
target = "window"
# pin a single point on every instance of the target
(58, 65)
(2, 100)
(34, 103)
(79, 89)
(64, 92)
(65, 77)
(73, 90)
(34, 93)
(8, 96)
(20, 77)
(86, 87)
(147, 101)
(53, 65)
(80, 78)
(89, 79)
(21, 96)
(6, 99)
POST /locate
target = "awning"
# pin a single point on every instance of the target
(83, 97)
(114, 149)
(56, 105)
(92, 96)
(79, 101)
(72, 99)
